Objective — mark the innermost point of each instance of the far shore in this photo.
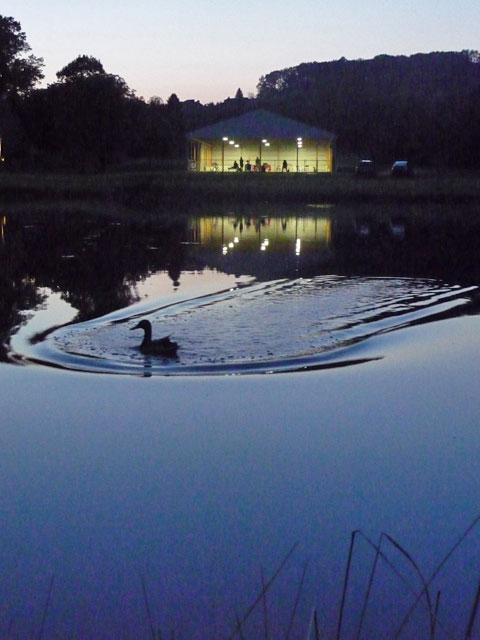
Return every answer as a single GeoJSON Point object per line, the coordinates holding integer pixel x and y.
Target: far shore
{"type": "Point", "coordinates": [164, 189]}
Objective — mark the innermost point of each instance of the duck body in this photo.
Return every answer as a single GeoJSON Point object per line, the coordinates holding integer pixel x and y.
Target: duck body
{"type": "Point", "coordinates": [161, 346]}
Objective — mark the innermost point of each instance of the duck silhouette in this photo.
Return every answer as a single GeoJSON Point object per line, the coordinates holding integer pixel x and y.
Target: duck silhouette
{"type": "Point", "coordinates": [161, 347]}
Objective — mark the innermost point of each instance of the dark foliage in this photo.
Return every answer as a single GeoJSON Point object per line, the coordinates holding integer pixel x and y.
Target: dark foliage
{"type": "Point", "coordinates": [19, 72]}
{"type": "Point", "coordinates": [19, 69]}
{"type": "Point", "coordinates": [423, 107]}
{"type": "Point", "coordinates": [90, 120]}
{"type": "Point", "coordinates": [80, 123]}
{"type": "Point", "coordinates": [82, 66]}
{"type": "Point", "coordinates": [198, 115]}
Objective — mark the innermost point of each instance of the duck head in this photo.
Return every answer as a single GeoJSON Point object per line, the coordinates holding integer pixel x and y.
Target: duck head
{"type": "Point", "coordinates": [143, 324]}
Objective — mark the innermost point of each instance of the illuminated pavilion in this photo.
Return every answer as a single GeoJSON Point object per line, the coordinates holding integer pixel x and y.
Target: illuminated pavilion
{"type": "Point", "coordinates": [261, 141]}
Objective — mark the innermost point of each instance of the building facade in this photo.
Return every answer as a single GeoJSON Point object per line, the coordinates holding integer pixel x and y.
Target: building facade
{"type": "Point", "coordinates": [261, 141]}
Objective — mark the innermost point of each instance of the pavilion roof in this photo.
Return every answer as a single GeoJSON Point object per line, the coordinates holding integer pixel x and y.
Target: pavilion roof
{"type": "Point", "coordinates": [260, 124]}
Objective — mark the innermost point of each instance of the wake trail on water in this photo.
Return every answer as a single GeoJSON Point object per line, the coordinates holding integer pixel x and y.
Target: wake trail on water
{"type": "Point", "coordinates": [283, 325]}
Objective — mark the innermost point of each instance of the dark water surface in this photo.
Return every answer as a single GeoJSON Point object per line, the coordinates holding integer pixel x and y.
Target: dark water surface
{"type": "Point", "coordinates": [240, 293]}
{"type": "Point", "coordinates": [182, 487]}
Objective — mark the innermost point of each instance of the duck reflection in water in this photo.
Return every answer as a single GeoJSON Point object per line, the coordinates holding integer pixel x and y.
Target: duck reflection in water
{"type": "Point", "coordinates": [161, 347]}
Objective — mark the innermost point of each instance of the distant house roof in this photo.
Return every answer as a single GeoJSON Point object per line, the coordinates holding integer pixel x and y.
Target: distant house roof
{"type": "Point", "coordinates": [260, 124]}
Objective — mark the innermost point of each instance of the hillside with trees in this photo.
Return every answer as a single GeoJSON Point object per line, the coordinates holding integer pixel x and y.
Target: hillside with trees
{"type": "Point", "coordinates": [425, 107]}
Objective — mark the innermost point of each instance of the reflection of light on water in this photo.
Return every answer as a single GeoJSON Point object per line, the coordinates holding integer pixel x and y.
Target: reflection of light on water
{"type": "Point", "coordinates": [254, 232]}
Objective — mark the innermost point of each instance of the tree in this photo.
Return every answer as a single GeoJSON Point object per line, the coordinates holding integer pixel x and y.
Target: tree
{"type": "Point", "coordinates": [173, 104]}
{"type": "Point", "coordinates": [19, 72]}
{"type": "Point", "coordinates": [176, 145]}
{"type": "Point", "coordinates": [81, 120]}
{"type": "Point", "coordinates": [82, 67]}
{"type": "Point", "coordinates": [19, 69]}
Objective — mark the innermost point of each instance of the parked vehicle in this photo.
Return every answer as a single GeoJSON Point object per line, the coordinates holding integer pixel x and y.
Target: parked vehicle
{"type": "Point", "coordinates": [362, 227]}
{"type": "Point", "coordinates": [365, 169]}
{"type": "Point", "coordinates": [398, 227]}
{"type": "Point", "coordinates": [401, 169]}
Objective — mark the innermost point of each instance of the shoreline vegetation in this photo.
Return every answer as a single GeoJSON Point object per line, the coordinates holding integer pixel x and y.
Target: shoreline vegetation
{"type": "Point", "coordinates": [171, 190]}
{"type": "Point", "coordinates": [424, 614]}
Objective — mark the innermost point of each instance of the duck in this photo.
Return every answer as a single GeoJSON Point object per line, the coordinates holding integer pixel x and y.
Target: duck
{"type": "Point", "coordinates": [161, 346]}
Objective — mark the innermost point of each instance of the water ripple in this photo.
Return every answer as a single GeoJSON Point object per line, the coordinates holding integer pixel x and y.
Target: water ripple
{"type": "Point", "coordinates": [285, 325]}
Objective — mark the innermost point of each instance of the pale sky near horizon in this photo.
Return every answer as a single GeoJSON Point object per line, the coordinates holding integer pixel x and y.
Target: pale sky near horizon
{"type": "Point", "coordinates": [207, 49]}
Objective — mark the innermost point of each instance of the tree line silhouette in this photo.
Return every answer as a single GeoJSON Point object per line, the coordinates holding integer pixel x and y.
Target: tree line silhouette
{"type": "Point", "coordinates": [87, 120]}
{"type": "Point", "coordinates": [425, 108]}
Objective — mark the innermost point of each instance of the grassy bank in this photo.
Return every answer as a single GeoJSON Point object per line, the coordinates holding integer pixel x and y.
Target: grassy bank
{"type": "Point", "coordinates": [155, 188]}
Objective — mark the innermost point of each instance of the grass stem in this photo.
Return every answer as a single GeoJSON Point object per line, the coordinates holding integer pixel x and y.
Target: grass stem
{"type": "Point", "coordinates": [471, 620]}
{"type": "Point", "coordinates": [45, 609]}
{"type": "Point", "coordinates": [297, 598]}
{"type": "Point", "coordinates": [147, 607]}
{"type": "Point", "coordinates": [345, 584]}
{"type": "Point", "coordinates": [369, 587]}
{"type": "Point", "coordinates": [470, 527]}
{"type": "Point", "coordinates": [265, 612]}
{"type": "Point", "coordinates": [264, 591]}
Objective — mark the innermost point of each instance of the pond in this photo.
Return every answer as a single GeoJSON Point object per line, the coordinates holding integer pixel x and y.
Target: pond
{"type": "Point", "coordinates": [325, 382]}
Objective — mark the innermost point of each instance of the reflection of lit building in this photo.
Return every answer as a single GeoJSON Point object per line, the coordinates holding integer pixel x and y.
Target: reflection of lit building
{"type": "Point", "coordinates": [229, 234]}
{"type": "Point", "coordinates": [261, 141]}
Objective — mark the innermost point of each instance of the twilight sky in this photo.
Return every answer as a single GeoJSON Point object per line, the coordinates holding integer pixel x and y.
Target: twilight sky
{"type": "Point", "coordinates": [207, 49]}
